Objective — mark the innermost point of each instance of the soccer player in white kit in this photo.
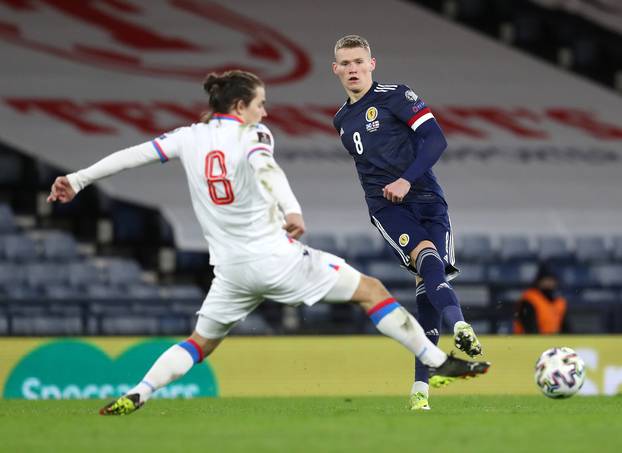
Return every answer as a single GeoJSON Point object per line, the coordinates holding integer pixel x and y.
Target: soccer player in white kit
{"type": "Point", "coordinates": [251, 220]}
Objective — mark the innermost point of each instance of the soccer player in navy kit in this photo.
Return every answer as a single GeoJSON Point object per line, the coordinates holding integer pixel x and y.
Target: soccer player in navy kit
{"type": "Point", "coordinates": [395, 141]}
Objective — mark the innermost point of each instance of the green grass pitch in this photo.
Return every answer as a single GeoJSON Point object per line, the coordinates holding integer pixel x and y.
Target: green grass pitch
{"type": "Point", "coordinates": [318, 424]}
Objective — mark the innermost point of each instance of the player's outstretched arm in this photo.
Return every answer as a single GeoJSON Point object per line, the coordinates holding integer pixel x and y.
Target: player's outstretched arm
{"type": "Point", "coordinates": [65, 188]}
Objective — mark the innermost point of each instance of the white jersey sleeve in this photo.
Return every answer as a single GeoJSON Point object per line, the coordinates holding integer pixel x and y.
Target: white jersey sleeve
{"type": "Point", "coordinates": [170, 144]}
{"type": "Point", "coordinates": [269, 174]}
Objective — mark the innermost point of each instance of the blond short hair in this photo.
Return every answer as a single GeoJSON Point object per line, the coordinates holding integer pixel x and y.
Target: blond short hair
{"type": "Point", "coordinates": [351, 42]}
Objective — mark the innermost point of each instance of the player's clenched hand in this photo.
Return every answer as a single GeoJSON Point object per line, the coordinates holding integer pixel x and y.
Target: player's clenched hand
{"type": "Point", "coordinates": [396, 191]}
{"type": "Point", "coordinates": [61, 191]}
{"type": "Point", "coordinates": [294, 225]}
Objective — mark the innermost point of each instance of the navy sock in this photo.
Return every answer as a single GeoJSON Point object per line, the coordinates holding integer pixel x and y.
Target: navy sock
{"type": "Point", "coordinates": [430, 320]}
{"type": "Point", "coordinates": [432, 270]}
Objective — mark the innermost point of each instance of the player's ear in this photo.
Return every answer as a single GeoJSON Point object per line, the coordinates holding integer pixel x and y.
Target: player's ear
{"type": "Point", "coordinates": [372, 63]}
{"type": "Point", "coordinates": [334, 67]}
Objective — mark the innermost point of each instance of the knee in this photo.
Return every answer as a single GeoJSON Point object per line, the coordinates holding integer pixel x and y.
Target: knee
{"type": "Point", "coordinates": [420, 247]}
{"type": "Point", "coordinates": [370, 291]}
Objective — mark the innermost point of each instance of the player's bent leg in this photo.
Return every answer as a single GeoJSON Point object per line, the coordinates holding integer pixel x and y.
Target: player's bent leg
{"type": "Point", "coordinates": [174, 363]}
{"type": "Point", "coordinates": [431, 268]}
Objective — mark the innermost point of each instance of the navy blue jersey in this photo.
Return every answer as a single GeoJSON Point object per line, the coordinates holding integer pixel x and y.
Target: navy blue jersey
{"type": "Point", "coordinates": [383, 132]}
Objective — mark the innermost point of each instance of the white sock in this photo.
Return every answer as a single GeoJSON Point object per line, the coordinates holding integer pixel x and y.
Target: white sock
{"type": "Point", "coordinates": [420, 387]}
{"type": "Point", "coordinates": [394, 321]}
{"type": "Point", "coordinates": [174, 363]}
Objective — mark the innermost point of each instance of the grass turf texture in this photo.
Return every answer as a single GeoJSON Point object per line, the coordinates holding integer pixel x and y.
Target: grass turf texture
{"type": "Point", "coordinates": [318, 424]}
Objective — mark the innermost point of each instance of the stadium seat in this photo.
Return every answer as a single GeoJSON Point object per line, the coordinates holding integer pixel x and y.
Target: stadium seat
{"type": "Point", "coordinates": [82, 274]}
{"type": "Point", "coordinates": [104, 291]}
{"type": "Point", "coordinates": [576, 276]}
{"type": "Point", "coordinates": [600, 296]}
{"type": "Point", "coordinates": [47, 325]}
{"type": "Point", "coordinates": [129, 325]}
{"type": "Point", "coordinates": [7, 221]}
{"type": "Point", "coordinates": [472, 273]}
{"type": "Point", "coordinates": [553, 248]}
{"type": "Point", "coordinates": [61, 292]}
{"type": "Point", "coordinates": [473, 296]}
{"type": "Point", "coordinates": [38, 275]}
{"type": "Point", "coordinates": [591, 249]}
{"type": "Point", "coordinates": [474, 247]}
{"type": "Point", "coordinates": [254, 324]}
{"type": "Point", "coordinates": [191, 292]}
{"type": "Point", "coordinates": [616, 248]}
{"type": "Point", "coordinates": [513, 273]}
{"type": "Point", "coordinates": [363, 247]}
{"type": "Point", "coordinates": [515, 248]}
{"type": "Point", "coordinates": [143, 291]}
{"type": "Point", "coordinates": [324, 242]}
{"type": "Point", "coordinates": [21, 292]}
{"type": "Point", "coordinates": [120, 271]}
{"type": "Point", "coordinates": [58, 246]}
{"type": "Point", "coordinates": [10, 275]}
{"type": "Point", "coordinates": [390, 273]}
{"type": "Point", "coordinates": [608, 275]}
{"type": "Point", "coordinates": [19, 248]}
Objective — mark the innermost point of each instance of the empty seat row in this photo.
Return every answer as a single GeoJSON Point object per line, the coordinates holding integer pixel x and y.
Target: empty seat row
{"type": "Point", "coordinates": [39, 246]}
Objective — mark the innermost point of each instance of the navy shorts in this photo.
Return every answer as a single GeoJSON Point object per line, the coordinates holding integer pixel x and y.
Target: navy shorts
{"type": "Point", "coordinates": [405, 225]}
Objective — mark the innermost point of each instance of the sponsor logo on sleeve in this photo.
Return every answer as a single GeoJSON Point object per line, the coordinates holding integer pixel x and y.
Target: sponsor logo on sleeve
{"type": "Point", "coordinates": [411, 96]}
{"type": "Point", "coordinates": [263, 137]}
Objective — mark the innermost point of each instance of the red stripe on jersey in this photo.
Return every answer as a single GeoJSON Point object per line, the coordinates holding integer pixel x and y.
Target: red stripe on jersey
{"type": "Point", "coordinates": [418, 115]}
{"type": "Point", "coordinates": [379, 305]}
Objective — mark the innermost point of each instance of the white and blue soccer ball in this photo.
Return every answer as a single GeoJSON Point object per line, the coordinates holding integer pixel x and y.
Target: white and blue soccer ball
{"type": "Point", "coordinates": [560, 372]}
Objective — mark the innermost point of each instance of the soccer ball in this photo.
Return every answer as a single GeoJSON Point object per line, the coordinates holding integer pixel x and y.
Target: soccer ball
{"type": "Point", "coordinates": [559, 373]}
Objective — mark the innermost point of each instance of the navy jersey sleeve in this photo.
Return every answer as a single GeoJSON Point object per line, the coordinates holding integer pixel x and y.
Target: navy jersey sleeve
{"type": "Point", "coordinates": [413, 111]}
{"type": "Point", "coordinates": [409, 107]}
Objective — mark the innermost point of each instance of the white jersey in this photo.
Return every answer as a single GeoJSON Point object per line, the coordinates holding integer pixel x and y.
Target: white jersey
{"type": "Point", "coordinates": [239, 220]}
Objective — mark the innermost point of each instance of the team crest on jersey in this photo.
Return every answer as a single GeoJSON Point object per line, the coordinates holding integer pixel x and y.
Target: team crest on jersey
{"type": "Point", "coordinates": [411, 96]}
{"type": "Point", "coordinates": [404, 239]}
{"type": "Point", "coordinates": [371, 114]}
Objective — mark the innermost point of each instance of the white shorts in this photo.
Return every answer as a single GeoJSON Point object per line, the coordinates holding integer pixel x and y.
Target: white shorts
{"type": "Point", "coordinates": [301, 275]}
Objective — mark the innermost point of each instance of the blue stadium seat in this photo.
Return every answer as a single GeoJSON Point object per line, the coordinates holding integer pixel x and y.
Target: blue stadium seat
{"type": "Point", "coordinates": [61, 292]}
{"type": "Point", "coordinates": [473, 296]}
{"type": "Point", "coordinates": [104, 291]}
{"type": "Point", "coordinates": [364, 247]}
{"type": "Point", "coordinates": [616, 248]}
{"type": "Point", "coordinates": [143, 291]}
{"type": "Point", "coordinates": [120, 271]}
{"type": "Point", "coordinates": [324, 242]}
{"type": "Point", "coordinates": [553, 248]}
{"type": "Point", "coordinates": [10, 275]}
{"type": "Point", "coordinates": [513, 273]}
{"type": "Point", "coordinates": [59, 246]}
{"type": "Point", "coordinates": [608, 275]}
{"type": "Point", "coordinates": [515, 248]}
{"type": "Point", "coordinates": [21, 292]}
{"type": "Point", "coordinates": [390, 273]}
{"type": "Point", "coordinates": [38, 275]}
{"type": "Point", "coordinates": [47, 325]}
{"type": "Point", "coordinates": [130, 325]}
{"type": "Point", "coordinates": [576, 275]}
{"type": "Point", "coordinates": [255, 324]}
{"type": "Point", "coordinates": [191, 292]}
{"type": "Point", "coordinates": [600, 296]}
{"type": "Point", "coordinates": [474, 247]}
{"type": "Point", "coordinates": [19, 248]}
{"type": "Point", "coordinates": [591, 249]}
{"type": "Point", "coordinates": [472, 273]}
{"type": "Point", "coordinates": [82, 274]}
{"type": "Point", "coordinates": [7, 221]}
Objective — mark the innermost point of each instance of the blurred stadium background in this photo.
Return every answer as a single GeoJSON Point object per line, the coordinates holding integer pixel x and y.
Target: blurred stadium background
{"type": "Point", "coordinates": [528, 93]}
